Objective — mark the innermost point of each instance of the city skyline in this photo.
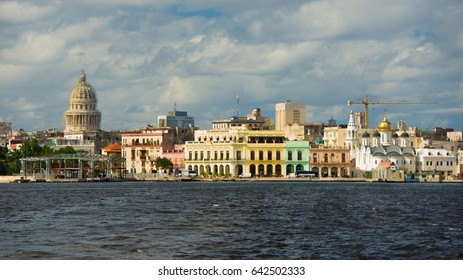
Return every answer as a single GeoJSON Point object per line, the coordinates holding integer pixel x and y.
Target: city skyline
{"type": "Point", "coordinates": [145, 56]}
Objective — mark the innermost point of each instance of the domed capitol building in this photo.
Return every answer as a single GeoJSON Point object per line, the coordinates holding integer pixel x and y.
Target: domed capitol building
{"type": "Point", "coordinates": [83, 114]}
{"type": "Point", "coordinates": [82, 121]}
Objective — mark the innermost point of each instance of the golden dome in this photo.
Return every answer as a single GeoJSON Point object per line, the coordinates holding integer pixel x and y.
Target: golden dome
{"type": "Point", "coordinates": [384, 125]}
{"type": "Point", "coordinates": [83, 90]}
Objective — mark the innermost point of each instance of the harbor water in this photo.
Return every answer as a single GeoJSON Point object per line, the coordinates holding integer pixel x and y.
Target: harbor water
{"type": "Point", "coordinates": [231, 220]}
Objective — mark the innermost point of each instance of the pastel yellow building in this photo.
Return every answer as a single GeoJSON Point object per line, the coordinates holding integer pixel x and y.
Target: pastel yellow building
{"type": "Point", "coordinates": [231, 152]}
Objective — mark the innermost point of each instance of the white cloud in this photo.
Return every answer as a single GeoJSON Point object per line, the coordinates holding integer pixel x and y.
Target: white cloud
{"type": "Point", "coordinates": [14, 12]}
{"type": "Point", "coordinates": [143, 56]}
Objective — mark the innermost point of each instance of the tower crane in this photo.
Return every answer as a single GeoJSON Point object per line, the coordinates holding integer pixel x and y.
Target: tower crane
{"type": "Point", "coordinates": [366, 102]}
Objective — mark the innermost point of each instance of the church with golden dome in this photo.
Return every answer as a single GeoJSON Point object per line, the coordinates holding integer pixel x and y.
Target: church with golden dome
{"type": "Point", "coordinates": [82, 114]}
{"type": "Point", "coordinates": [384, 145]}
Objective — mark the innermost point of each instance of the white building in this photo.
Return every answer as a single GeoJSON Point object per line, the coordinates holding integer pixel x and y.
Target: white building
{"type": "Point", "coordinates": [385, 146]}
{"type": "Point", "coordinates": [141, 150]}
{"type": "Point", "coordinates": [436, 160]}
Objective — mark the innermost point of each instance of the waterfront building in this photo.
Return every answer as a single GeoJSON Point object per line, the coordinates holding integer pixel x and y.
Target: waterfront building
{"type": "Point", "coordinates": [231, 152]}
{"type": "Point", "coordinates": [176, 156]}
{"type": "Point", "coordinates": [288, 113]}
{"type": "Point", "coordinates": [141, 148]}
{"type": "Point", "coordinates": [296, 156]}
{"type": "Point", "coordinates": [330, 161]}
{"type": "Point", "coordinates": [253, 121]}
{"type": "Point", "coordinates": [385, 145]}
{"type": "Point", "coordinates": [176, 118]}
{"type": "Point", "coordinates": [439, 161]}
{"type": "Point", "coordinates": [114, 153]}
{"type": "Point", "coordinates": [91, 142]}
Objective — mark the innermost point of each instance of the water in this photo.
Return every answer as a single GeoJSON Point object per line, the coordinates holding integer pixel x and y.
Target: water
{"type": "Point", "coordinates": [231, 220]}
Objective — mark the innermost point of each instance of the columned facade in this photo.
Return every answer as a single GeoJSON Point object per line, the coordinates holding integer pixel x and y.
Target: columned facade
{"type": "Point", "coordinates": [330, 161]}
{"type": "Point", "coordinates": [232, 152]}
{"type": "Point", "coordinates": [82, 114]}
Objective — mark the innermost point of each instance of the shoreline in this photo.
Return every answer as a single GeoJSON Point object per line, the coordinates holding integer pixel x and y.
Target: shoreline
{"type": "Point", "coordinates": [20, 179]}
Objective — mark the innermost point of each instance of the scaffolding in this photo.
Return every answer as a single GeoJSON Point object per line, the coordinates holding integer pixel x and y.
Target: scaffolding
{"type": "Point", "coordinates": [71, 166]}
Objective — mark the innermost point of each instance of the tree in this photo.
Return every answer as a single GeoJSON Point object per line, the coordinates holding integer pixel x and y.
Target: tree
{"type": "Point", "coordinates": [3, 162]}
{"type": "Point", "coordinates": [31, 148]}
{"type": "Point", "coordinates": [66, 150]}
{"type": "Point", "coordinates": [163, 163]}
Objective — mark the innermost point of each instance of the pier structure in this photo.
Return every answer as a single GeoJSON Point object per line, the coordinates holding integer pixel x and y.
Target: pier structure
{"type": "Point", "coordinates": [68, 167]}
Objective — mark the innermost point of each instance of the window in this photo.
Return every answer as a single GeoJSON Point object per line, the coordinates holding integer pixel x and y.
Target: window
{"type": "Point", "coordinates": [315, 158]}
{"type": "Point", "coordinates": [261, 155]}
{"type": "Point", "coordinates": [299, 155]}
{"type": "Point", "coordinates": [269, 155]}
{"type": "Point", "coordinates": [326, 157]}
{"type": "Point", "coordinates": [253, 156]}
{"type": "Point", "coordinates": [290, 155]}
{"type": "Point", "coordinates": [343, 157]}
{"type": "Point", "coordinates": [278, 157]}
{"type": "Point", "coordinates": [238, 155]}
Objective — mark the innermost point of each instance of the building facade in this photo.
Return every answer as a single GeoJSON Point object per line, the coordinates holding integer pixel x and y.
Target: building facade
{"type": "Point", "coordinates": [231, 152]}
{"type": "Point", "coordinates": [330, 161]}
{"type": "Point", "coordinates": [253, 121]}
{"type": "Point", "coordinates": [296, 156]}
{"type": "Point", "coordinates": [176, 118]}
{"type": "Point", "coordinates": [288, 113]}
{"type": "Point", "coordinates": [142, 148]}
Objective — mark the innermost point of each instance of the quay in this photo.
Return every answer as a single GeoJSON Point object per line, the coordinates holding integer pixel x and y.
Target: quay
{"type": "Point", "coordinates": [31, 179]}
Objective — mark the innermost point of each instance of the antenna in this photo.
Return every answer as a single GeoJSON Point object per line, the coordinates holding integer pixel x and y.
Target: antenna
{"type": "Point", "coordinates": [237, 105]}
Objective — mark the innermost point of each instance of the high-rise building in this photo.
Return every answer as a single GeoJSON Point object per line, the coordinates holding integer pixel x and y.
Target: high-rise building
{"type": "Point", "coordinates": [176, 119]}
{"type": "Point", "coordinates": [288, 113]}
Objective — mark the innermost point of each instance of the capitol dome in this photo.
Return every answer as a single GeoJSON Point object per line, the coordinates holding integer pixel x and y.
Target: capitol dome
{"type": "Point", "coordinates": [384, 125]}
{"type": "Point", "coordinates": [83, 90]}
{"type": "Point", "coordinates": [82, 114]}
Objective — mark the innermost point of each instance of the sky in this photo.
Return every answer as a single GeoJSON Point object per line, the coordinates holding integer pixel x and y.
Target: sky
{"type": "Point", "coordinates": [145, 56]}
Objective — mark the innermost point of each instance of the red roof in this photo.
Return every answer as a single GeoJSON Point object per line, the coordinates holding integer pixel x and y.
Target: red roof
{"type": "Point", "coordinates": [386, 164]}
{"type": "Point", "coordinates": [113, 148]}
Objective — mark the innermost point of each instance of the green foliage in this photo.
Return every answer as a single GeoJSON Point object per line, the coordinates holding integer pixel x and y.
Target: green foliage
{"type": "Point", "coordinates": [163, 163]}
{"type": "Point", "coordinates": [10, 160]}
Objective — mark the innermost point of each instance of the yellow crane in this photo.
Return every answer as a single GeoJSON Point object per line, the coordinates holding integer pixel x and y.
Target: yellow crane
{"type": "Point", "coordinates": [366, 102]}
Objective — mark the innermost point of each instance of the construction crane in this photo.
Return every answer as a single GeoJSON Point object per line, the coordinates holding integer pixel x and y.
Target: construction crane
{"type": "Point", "coordinates": [366, 102]}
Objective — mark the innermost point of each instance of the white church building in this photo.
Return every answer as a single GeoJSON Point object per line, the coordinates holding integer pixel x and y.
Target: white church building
{"type": "Point", "coordinates": [385, 145]}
